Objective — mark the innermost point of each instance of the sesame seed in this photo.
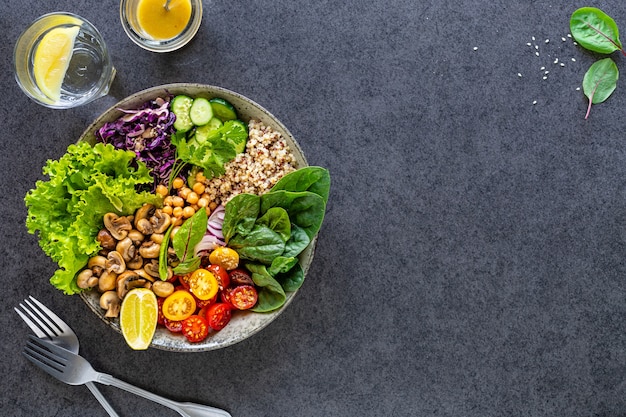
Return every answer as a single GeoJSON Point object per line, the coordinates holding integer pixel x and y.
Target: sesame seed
{"type": "Point", "coordinates": [529, 44]}
{"type": "Point", "coordinates": [569, 35]}
{"type": "Point", "coordinates": [577, 88]}
{"type": "Point", "coordinates": [556, 61]}
{"type": "Point", "coordinates": [575, 43]}
{"type": "Point", "coordinates": [547, 40]}
{"type": "Point", "coordinates": [573, 59]}
{"type": "Point", "coordinates": [542, 68]}
{"type": "Point", "coordinates": [547, 72]}
{"type": "Point", "coordinates": [562, 64]}
{"type": "Point", "coordinates": [534, 102]}
{"type": "Point", "coordinates": [545, 78]}
{"type": "Point", "coordinates": [519, 74]}
{"type": "Point", "coordinates": [537, 53]}
{"type": "Point", "coordinates": [536, 46]}
{"type": "Point", "coordinates": [476, 48]}
{"type": "Point", "coordinates": [563, 39]}
{"type": "Point", "coordinates": [533, 38]}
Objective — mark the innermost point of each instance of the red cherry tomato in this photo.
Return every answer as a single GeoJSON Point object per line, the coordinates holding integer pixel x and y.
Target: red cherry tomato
{"type": "Point", "coordinates": [225, 298]}
{"type": "Point", "coordinates": [240, 276]}
{"type": "Point", "coordinates": [195, 328]}
{"type": "Point", "coordinates": [243, 297]}
{"type": "Point", "coordinates": [160, 316]}
{"type": "Point", "coordinates": [221, 275]}
{"type": "Point", "coordinates": [173, 326]}
{"type": "Point", "coordinates": [218, 316]}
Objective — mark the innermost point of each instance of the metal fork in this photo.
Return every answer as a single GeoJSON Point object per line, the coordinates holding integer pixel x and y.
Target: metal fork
{"type": "Point", "coordinates": [45, 324]}
{"type": "Point", "coordinates": [75, 370]}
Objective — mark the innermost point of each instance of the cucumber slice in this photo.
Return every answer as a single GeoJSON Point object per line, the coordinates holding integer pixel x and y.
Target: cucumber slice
{"type": "Point", "coordinates": [203, 132]}
{"type": "Point", "coordinates": [223, 110]}
{"type": "Point", "coordinates": [201, 111]}
{"type": "Point", "coordinates": [181, 105]}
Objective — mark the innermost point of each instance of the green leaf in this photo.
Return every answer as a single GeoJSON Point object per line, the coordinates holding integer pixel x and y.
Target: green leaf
{"type": "Point", "coordinates": [189, 265]}
{"type": "Point", "coordinates": [281, 265]}
{"type": "Point", "coordinates": [600, 81]}
{"type": "Point", "coordinates": [305, 209]}
{"type": "Point", "coordinates": [298, 241]}
{"type": "Point", "coordinates": [595, 30]}
{"type": "Point", "coordinates": [163, 253]}
{"type": "Point", "coordinates": [311, 178]}
{"type": "Point", "coordinates": [271, 293]}
{"type": "Point", "coordinates": [292, 279]}
{"type": "Point", "coordinates": [189, 235]}
{"type": "Point", "coordinates": [261, 244]}
{"type": "Point", "coordinates": [277, 219]}
{"type": "Point", "coordinates": [240, 214]}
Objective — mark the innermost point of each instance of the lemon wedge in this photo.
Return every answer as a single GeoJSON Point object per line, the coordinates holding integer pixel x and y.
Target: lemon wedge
{"type": "Point", "coordinates": [52, 59]}
{"type": "Point", "coordinates": [138, 318]}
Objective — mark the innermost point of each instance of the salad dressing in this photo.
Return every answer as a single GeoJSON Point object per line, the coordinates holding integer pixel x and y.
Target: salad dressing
{"type": "Point", "coordinates": [160, 23]}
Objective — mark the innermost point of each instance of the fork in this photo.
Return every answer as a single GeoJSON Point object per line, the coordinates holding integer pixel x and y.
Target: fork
{"type": "Point", "coordinates": [73, 369]}
{"type": "Point", "coordinates": [49, 325]}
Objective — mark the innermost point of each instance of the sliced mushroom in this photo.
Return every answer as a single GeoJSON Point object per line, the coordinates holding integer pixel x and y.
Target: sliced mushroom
{"type": "Point", "coordinates": [118, 226]}
{"type": "Point", "coordinates": [172, 258]}
{"type": "Point", "coordinates": [86, 279]}
{"type": "Point", "coordinates": [110, 302]}
{"type": "Point", "coordinates": [97, 264]}
{"type": "Point", "coordinates": [152, 268]}
{"type": "Point", "coordinates": [157, 237]}
{"type": "Point", "coordinates": [142, 219]}
{"type": "Point", "coordinates": [107, 281]}
{"type": "Point", "coordinates": [127, 281]}
{"type": "Point", "coordinates": [143, 274]}
{"type": "Point", "coordinates": [149, 250]}
{"type": "Point", "coordinates": [136, 262]}
{"type": "Point", "coordinates": [106, 239]}
{"type": "Point", "coordinates": [115, 262]}
{"type": "Point", "coordinates": [126, 248]}
{"type": "Point", "coordinates": [160, 221]}
{"type": "Point", "coordinates": [162, 288]}
{"type": "Point", "coordinates": [136, 236]}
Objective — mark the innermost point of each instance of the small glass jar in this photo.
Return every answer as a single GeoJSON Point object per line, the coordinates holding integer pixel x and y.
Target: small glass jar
{"type": "Point", "coordinates": [153, 27]}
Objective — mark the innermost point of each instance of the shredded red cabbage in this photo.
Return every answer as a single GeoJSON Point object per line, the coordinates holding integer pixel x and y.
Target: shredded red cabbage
{"type": "Point", "coordinates": [145, 131]}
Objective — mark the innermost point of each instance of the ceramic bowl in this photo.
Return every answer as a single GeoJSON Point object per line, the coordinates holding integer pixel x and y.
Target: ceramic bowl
{"type": "Point", "coordinates": [244, 323]}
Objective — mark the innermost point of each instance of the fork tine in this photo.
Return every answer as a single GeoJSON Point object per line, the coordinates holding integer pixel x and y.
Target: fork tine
{"type": "Point", "coordinates": [60, 324]}
{"type": "Point", "coordinates": [37, 329]}
{"type": "Point", "coordinates": [46, 315]}
{"type": "Point", "coordinates": [41, 357]}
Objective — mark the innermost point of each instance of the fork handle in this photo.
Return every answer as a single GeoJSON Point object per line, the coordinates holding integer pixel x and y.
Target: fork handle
{"type": "Point", "coordinates": [103, 402]}
{"type": "Point", "coordinates": [185, 409]}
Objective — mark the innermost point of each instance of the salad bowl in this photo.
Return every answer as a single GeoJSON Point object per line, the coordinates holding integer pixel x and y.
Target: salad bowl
{"type": "Point", "coordinates": [243, 324]}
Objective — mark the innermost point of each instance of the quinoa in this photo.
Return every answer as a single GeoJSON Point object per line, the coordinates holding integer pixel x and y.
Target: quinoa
{"type": "Point", "coordinates": [266, 160]}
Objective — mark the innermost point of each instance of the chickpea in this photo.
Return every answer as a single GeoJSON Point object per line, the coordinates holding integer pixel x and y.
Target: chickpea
{"type": "Point", "coordinates": [199, 188]}
{"type": "Point", "coordinates": [167, 210]}
{"type": "Point", "coordinates": [178, 183]}
{"type": "Point", "coordinates": [200, 177]}
{"type": "Point", "coordinates": [177, 212]}
{"type": "Point", "coordinates": [178, 201]}
{"type": "Point", "coordinates": [212, 205]}
{"type": "Point", "coordinates": [203, 202]}
{"type": "Point", "coordinates": [188, 212]}
{"type": "Point", "coordinates": [162, 190]}
{"type": "Point", "coordinates": [168, 201]}
{"type": "Point", "coordinates": [192, 198]}
{"type": "Point", "coordinates": [184, 192]}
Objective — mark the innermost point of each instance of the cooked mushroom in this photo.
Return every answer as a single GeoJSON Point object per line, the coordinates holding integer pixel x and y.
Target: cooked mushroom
{"type": "Point", "coordinates": [149, 249]}
{"type": "Point", "coordinates": [97, 264]}
{"type": "Point", "coordinates": [142, 219]}
{"type": "Point", "coordinates": [118, 226]}
{"type": "Point", "coordinates": [126, 248]}
{"type": "Point", "coordinates": [115, 262]}
{"type": "Point", "coordinates": [107, 281]}
{"type": "Point", "coordinates": [157, 237]}
{"type": "Point", "coordinates": [136, 262]}
{"type": "Point", "coordinates": [162, 288]}
{"type": "Point", "coordinates": [152, 268]}
{"type": "Point", "coordinates": [136, 236]}
{"type": "Point", "coordinates": [106, 239]}
{"type": "Point", "coordinates": [143, 274]}
{"type": "Point", "coordinates": [86, 279]}
{"type": "Point", "coordinates": [127, 281]}
{"type": "Point", "coordinates": [110, 302]}
{"type": "Point", "coordinates": [172, 259]}
{"type": "Point", "coordinates": [160, 221]}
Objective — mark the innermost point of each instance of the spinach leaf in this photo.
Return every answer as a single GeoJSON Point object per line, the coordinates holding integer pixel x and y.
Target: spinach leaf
{"type": "Point", "coordinates": [305, 209]}
{"type": "Point", "coordinates": [292, 279]}
{"type": "Point", "coordinates": [595, 30]}
{"type": "Point", "coordinates": [240, 215]}
{"type": "Point", "coordinates": [600, 81]}
{"type": "Point", "coordinates": [271, 293]}
{"type": "Point", "coordinates": [277, 219]}
{"type": "Point", "coordinates": [261, 244]}
{"type": "Point", "coordinates": [311, 178]}
{"type": "Point", "coordinates": [187, 237]}
{"type": "Point", "coordinates": [298, 241]}
{"type": "Point", "coordinates": [281, 265]}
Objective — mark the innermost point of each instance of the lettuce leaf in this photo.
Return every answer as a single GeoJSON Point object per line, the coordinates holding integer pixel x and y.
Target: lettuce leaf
{"type": "Point", "coordinates": [66, 211]}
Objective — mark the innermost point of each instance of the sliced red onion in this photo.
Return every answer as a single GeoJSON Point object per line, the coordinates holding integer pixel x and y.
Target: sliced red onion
{"type": "Point", "coordinates": [207, 244]}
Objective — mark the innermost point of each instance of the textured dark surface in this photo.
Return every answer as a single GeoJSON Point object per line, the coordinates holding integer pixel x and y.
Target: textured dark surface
{"type": "Point", "coordinates": [471, 262]}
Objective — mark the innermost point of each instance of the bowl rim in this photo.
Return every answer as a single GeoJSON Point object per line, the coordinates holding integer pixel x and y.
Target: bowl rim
{"type": "Point", "coordinates": [306, 257]}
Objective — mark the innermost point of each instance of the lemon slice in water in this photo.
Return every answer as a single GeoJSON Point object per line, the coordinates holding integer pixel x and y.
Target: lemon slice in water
{"type": "Point", "coordinates": [138, 317]}
{"type": "Point", "coordinates": [52, 58]}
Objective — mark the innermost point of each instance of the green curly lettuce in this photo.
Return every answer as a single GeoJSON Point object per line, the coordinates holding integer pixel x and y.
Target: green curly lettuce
{"type": "Point", "coordinates": [66, 211]}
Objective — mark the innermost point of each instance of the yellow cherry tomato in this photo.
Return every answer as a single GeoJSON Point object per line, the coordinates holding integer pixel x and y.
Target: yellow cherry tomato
{"type": "Point", "coordinates": [179, 305]}
{"type": "Point", "coordinates": [203, 284]}
{"type": "Point", "coordinates": [225, 257]}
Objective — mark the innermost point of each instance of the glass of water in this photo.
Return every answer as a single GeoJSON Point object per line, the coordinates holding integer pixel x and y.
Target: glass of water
{"type": "Point", "coordinates": [61, 61]}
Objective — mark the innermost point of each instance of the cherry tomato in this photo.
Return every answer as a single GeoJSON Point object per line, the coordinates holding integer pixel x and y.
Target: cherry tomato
{"type": "Point", "coordinates": [203, 284]}
{"type": "Point", "coordinates": [195, 328]}
{"type": "Point", "coordinates": [218, 316]}
{"type": "Point", "coordinates": [223, 279]}
{"type": "Point", "coordinates": [160, 316]}
{"type": "Point", "coordinates": [240, 276]}
{"type": "Point", "coordinates": [225, 298]}
{"type": "Point", "coordinates": [179, 305]}
{"type": "Point", "coordinates": [173, 326]}
{"type": "Point", "coordinates": [243, 297]}
{"type": "Point", "coordinates": [225, 257]}
{"type": "Point", "coordinates": [184, 280]}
